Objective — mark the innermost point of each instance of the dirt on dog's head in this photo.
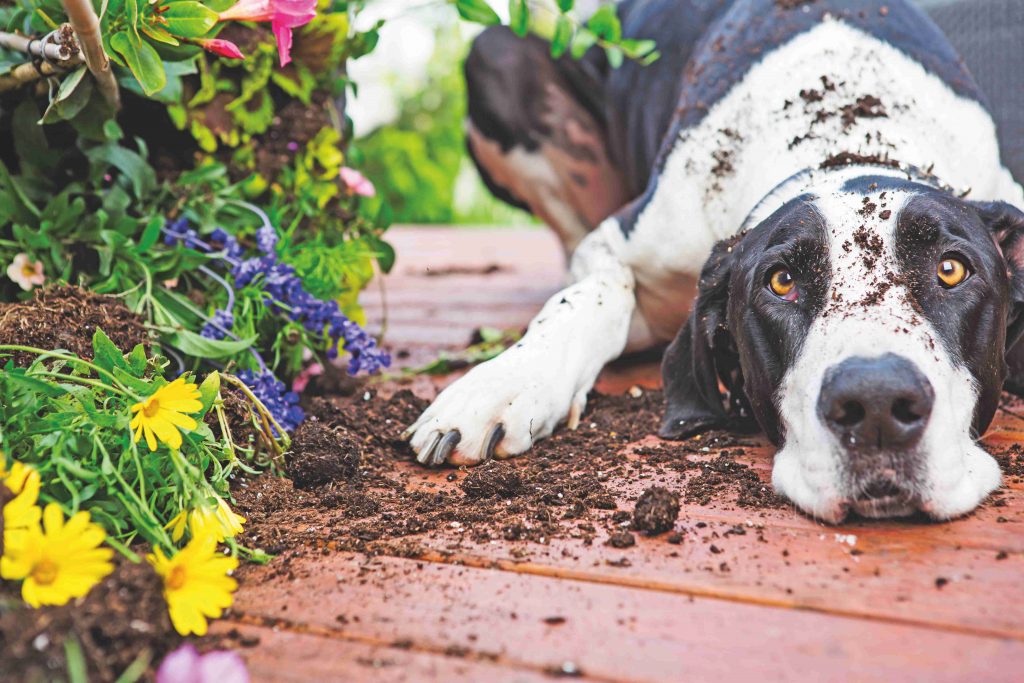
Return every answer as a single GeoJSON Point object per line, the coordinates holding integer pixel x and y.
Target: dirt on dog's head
{"type": "Point", "coordinates": [864, 324]}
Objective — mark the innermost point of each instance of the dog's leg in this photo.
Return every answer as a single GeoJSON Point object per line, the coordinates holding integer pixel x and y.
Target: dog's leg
{"type": "Point", "coordinates": [536, 132]}
{"type": "Point", "coordinates": [502, 407]}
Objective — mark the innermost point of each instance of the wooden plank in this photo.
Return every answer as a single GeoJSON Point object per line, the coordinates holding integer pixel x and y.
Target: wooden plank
{"type": "Point", "coordinates": [608, 632]}
{"type": "Point", "coordinates": [284, 656]}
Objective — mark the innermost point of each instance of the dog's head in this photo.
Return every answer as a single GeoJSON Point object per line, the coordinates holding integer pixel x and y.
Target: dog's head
{"type": "Point", "coordinates": [865, 329]}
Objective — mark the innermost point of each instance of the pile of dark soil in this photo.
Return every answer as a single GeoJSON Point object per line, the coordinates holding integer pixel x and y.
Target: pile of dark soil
{"type": "Point", "coordinates": [66, 317]}
{"type": "Point", "coordinates": [123, 619]}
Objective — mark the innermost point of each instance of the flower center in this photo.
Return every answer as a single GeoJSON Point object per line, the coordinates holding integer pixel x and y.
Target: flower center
{"type": "Point", "coordinates": [151, 407]}
{"type": "Point", "coordinates": [45, 572]}
{"type": "Point", "coordinates": [176, 579]}
{"type": "Point", "coordinates": [28, 270]}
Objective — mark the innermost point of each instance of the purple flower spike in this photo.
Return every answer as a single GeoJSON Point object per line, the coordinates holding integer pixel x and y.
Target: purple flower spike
{"type": "Point", "coordinates": [219, 325]}
{"type": "Point", "coordinates": [282, 404]}
{"type": "Point", "coordinates": [266, 239]}
{"type": "Point", "coordinates": [186, 665]}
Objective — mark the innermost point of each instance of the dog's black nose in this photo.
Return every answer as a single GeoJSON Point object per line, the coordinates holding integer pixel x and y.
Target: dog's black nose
{"type": "Point", "coordinates": [876, 403]}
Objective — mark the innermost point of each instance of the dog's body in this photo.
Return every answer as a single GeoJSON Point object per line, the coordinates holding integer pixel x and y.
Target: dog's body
{"type": "Point", "coordinates": [786, 120]}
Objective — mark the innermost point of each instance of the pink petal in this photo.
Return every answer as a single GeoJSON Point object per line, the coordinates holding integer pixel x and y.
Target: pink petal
{"type": "Point", "coordinates": [222, 666]}
{"type": "Point", "coordinates": [180, 666]}
{"type": "Point", "coordinates": [249, 10]}
{"type": "Point", "coordinates": [224, 48]}
{"type": "Point", "coordinates": [284, 42]}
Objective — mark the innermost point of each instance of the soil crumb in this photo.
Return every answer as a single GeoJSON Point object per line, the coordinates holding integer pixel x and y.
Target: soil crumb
{"type": "Point", "coordinates": [656, 511]}
{"type": "Point", "coordinates": [66, 317]}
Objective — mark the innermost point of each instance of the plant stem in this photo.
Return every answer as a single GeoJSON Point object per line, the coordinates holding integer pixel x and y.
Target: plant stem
{"type": "Point", "coordinates": [86, 24]}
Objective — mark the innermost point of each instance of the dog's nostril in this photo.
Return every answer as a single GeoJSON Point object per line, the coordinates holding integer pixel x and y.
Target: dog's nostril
{"type": "Point", "coordinates": [849, 413]}
{"type": "Point", "coordinates": [903, 410]}
{"type": "Point", "coordinates": [883, 488]}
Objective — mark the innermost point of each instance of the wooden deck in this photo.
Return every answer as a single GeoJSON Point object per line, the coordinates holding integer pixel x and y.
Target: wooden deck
{"type": "Point", "coordinates": [782, 598]}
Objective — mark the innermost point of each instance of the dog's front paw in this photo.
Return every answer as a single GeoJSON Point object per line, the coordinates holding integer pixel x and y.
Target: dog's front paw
{"type": "Point", "coordinates": [499, 409]}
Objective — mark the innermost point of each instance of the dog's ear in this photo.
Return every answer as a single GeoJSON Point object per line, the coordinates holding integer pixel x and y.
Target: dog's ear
{"type": "Point", "coordinates": [1007, 225]}
{"type": "Point", "coordinates": [703, 357]}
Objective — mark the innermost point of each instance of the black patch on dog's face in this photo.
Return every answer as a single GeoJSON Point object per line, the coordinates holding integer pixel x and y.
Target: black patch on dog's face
{"type": "Point", "coordinates": [970, 319]}
{"type": "Point", "coordinates": [740, 333]}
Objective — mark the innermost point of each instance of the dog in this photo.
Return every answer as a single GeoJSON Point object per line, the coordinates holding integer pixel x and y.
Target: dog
{"type": "Point", "coordinates": [806, 199]}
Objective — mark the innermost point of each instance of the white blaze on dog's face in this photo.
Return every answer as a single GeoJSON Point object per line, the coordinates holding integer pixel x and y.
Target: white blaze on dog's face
{"type": "Point", "coordinates": [863, 325]}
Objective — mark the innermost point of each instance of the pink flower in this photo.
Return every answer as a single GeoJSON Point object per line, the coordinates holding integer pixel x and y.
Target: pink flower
{"type": "Point", "coordinates": [283, 15]}
{"type": "Point", "coordinates": [356, 182]}
{"type": "Point", "coordinates": [219, 46]}
{"type": "Point", "coordinates": [186, 665]}
{"type": "Point", "coordinates": [26, 273]}
{"type": "Point", "coordinates": [301, 380]}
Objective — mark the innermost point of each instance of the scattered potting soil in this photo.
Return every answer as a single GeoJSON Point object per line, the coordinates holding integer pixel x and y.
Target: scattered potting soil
{"type": "Point", "coordinates": [66, 317]}
{"type": "Point", "coordinates": [121, 620]}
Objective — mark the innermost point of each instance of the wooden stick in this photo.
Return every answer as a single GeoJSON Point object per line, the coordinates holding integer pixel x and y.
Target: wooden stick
{"type": "Point", "coordinates": [84, 21]}
{"type": "Point", "coordinates": [24, 74]}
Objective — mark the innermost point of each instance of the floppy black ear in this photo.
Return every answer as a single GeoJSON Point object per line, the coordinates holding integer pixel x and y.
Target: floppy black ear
{"type": "Point", "coordinates": [702, 355]}
{"type": "Point", "coordinates": [1007, 225]}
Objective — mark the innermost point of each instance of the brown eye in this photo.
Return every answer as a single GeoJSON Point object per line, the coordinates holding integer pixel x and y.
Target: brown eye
{"type": "Point", "coordinates": [951, 272]}
{"type": "Point", "coordinates": [783, 285]}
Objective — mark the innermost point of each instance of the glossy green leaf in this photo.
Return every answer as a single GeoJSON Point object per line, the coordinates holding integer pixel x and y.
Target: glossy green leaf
{"type": "Point", "coordinates": [477, 11]}
{"type": "Point", "coordinates": [605, 24]}
{"type": "Point", "coordinates": [563, 36]}
{"type": "Point", "coordinates": [189, 19]}
{"type": "Point", "coordinates": [142, 60]}
{"type": "Point", "coordinates": [519, 17]}
{"type": "Point", "coordinates": [583, 41]}
{"type": "Point", "coordinates": [105, 354]}
{"type": "Point", "coordinates": [566, 5]}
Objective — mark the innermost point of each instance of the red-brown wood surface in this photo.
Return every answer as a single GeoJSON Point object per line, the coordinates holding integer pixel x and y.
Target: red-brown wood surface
{"type": "Point", "coordinates": [788, 599]}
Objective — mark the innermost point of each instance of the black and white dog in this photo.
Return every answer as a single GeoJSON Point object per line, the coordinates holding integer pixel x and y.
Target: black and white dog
{"type": "Point", "coordinates": [825, 178]}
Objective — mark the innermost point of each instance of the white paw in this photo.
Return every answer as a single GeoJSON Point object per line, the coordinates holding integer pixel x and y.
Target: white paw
{"type": "Point", "coordinates": [499, 409]}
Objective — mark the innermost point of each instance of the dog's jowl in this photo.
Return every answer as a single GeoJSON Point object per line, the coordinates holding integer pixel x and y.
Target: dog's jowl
{"type": "Point", "coordinates": [814, 213]}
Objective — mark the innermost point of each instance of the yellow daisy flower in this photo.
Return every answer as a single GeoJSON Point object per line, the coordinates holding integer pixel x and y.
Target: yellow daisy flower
{"type": "Point", "coordinates": [59, 561]}
{"type": "Point", "coordinates": [220, 522]}
{"type": "Point", "coordinates": [161, 415]}
{"type": "Point", "coordinates": [196, 583]}
{"type": "Point", "coordinates": [21, 514]}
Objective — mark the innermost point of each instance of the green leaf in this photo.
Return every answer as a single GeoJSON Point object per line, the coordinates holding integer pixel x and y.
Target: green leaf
{"type": "Point", "coordinates": [151, 234]}
{"type": "Point", "coordinates": [583, 41]}
{"type": "Point", "coordinates": [72, 96]}
{"type": "Point", "coordinates": [159, 34]}
{"type": "Point", "coordinates": [143, 61]}
{"type": "Point", "coordinates": [566, 5]}
{"type": "Point", "coordinates": [137, 360]}
{"type": "Point", "coordinates": [614, 55]}
{"type": "Point", "coordinates": [209, 390]}
{"type": "Point", "coordinates": [605, 24]}
{"type": "Point", "coordinates": [563, 36]}
{"type": "Point", "coordinates": [477, 11]}
{"type": "Point", "coordinates": [637, 49]}
{"type": "Point", "coordinates": [201, 347]}
{"type": "Point", "coordinates": [189, 19]}
{"type": "Point", "coordinates": [105, 354]}
{"type": "Point", "coordinates": [519, 17]}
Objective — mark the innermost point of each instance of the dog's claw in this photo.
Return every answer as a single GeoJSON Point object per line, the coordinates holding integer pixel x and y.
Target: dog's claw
{"type": "Point", "coordinates": [426, 456]}
{"type": "Point", "coordinates": [445, 447]}
{"type": "Point", "coordinates": [495, 436]}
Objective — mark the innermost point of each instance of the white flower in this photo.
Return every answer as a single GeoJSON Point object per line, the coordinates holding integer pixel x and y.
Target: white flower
{"type": "Point", "coordinates": [26, 273]}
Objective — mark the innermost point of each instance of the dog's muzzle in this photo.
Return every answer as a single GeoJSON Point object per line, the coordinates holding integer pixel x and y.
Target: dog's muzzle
{"type": "Point", "coordinates": [878, 409]}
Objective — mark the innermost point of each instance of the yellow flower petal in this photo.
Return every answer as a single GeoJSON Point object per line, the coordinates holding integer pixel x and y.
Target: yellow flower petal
{"type": "Point", "coordinates": [196, 583]}
{"type": "Point", "coordinates": [165, 412]}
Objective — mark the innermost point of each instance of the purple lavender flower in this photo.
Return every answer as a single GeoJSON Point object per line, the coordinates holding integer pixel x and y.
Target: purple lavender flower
{"type": "Point", "coordinates": [282, 404]}
{"type": "Point", "coordinates": [229, 244]}
{"type": "Point", "coordinates": [219, 324]}
{"type": "Point", "coordinates": [266, 239]}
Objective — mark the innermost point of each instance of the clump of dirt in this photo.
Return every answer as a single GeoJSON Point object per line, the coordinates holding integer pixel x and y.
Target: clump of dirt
{"type": "Point", "coordinates": [121, 619]}
{"type": "Point", "coordinates": [866, 107]}
{"type": "Point", "coordinates": [494, 480]}
{"type": "Point", "coordinates": [321, 454]}
{"type": "Point", "coordinates": [45, 322]}
{"type": "Point", "coordinates": [850, 158]}
{"type": "Point", "coordinates": [656, 511]}
{"type": "Point", "coordinates": [722, 474]}
{"type": "Point", "coordinates": [790, 4]}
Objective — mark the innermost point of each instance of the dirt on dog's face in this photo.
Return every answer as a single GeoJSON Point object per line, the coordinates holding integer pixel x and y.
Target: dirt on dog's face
{"type": "Point", "coordinates": [865, 330]}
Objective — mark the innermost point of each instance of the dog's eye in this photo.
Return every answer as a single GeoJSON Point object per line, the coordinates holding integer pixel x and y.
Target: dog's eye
{"type": "Point", "coordinates": [952, 272]}
{"type": "Point", "coordinates": [783, 285]}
